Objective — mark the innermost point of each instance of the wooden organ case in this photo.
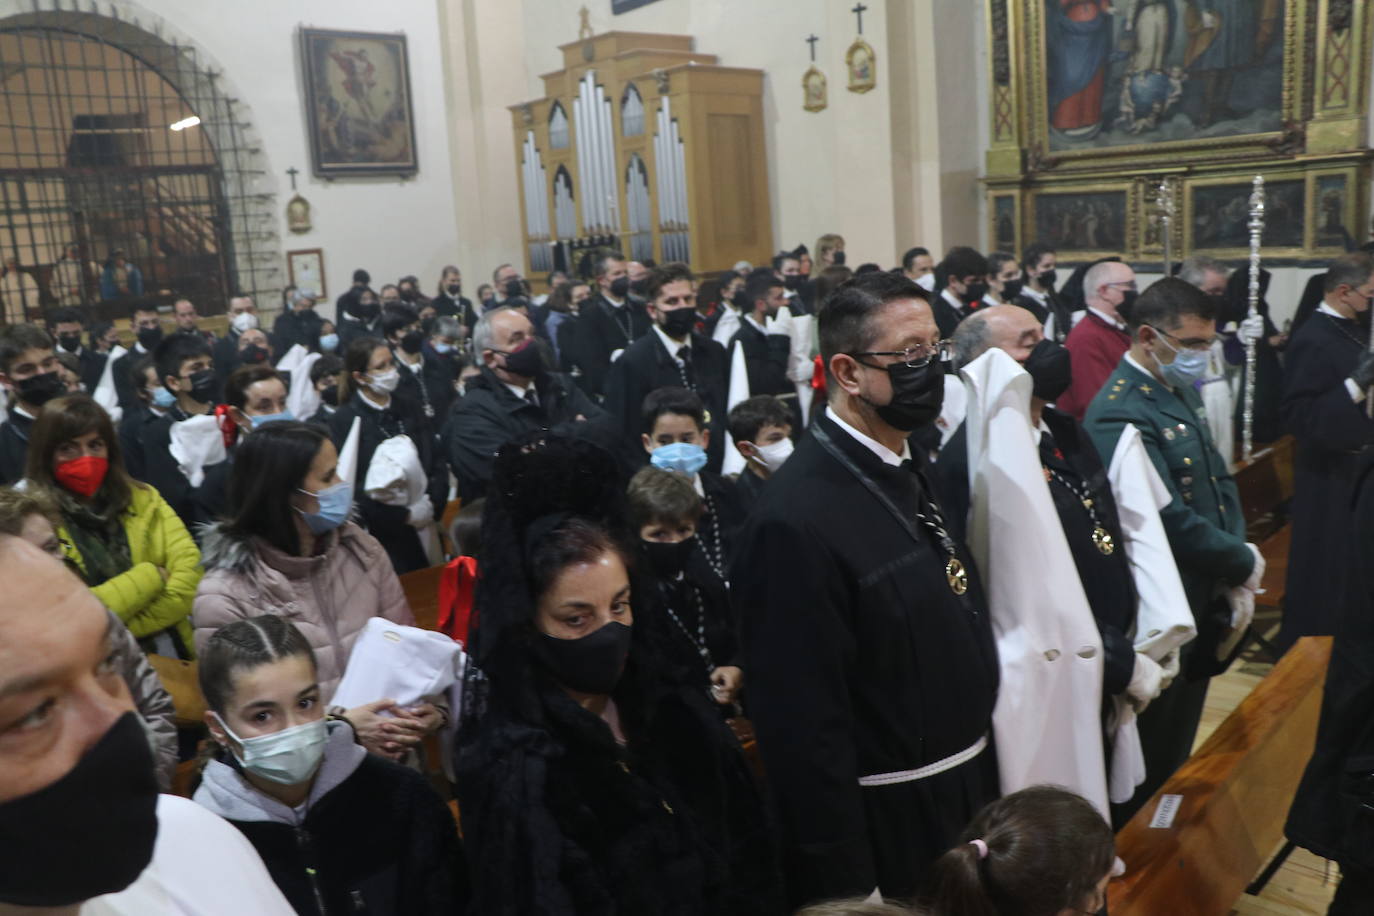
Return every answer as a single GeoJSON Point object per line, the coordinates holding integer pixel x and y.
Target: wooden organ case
{"type": "Point", "coordinates": [642, 145]}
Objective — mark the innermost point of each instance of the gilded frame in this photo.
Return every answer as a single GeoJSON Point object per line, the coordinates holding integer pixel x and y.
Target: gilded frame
{"type": "Point", "coordinates": [1276, 183]}
{"type": "Point", "coordinates": [1086, 192]}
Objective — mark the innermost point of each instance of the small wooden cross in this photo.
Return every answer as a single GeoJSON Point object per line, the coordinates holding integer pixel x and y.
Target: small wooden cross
{"type": "Point", "coordinates": [812, 42]}
{"type": "Point", "coordinates": [859, 10]}
{"type": "Point", "coordinates": [293, 172]}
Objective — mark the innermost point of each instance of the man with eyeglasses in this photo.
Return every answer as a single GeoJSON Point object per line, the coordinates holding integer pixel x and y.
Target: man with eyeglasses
{"type": "Point", "coordinates": [1098, 340]}
{"type": "Point", "coordinates": [1172, 326]}
{"type": "Point", "coordinates": [873, 671]}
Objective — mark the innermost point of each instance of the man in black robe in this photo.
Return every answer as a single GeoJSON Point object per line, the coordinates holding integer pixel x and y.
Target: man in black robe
{"type": "Point", "coordinates": [1326, 384]}
{"type": "Point", "coordinates": [766, 354]}
{"type": "Point", "coordinates": [606, 324]}
{"type": "Point", "coordinates": [872, 667]}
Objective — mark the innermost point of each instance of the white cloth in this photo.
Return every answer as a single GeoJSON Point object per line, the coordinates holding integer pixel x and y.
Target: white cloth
{"type": "Point", "coordinates": [303, 400]}
{"type": "Point", "coordinates": [1164, 621]}
{"type": "Point", "coordinates": [396, 477]}
{"type": "Point", "coordinates": [105, 394]}
{"type": "Point", "coordinates": [197, 443]}
{"type": "Point", "coordinates": [953, 409]}
{"type": "Point", "coordinates": [739, 391]}
{"type": "Point", "coordinates": [405, 664]}
{"type": "Point", "coordinates": [727, 327]}
{"type": "Point", "coordinates": [1047, 720]}
{"type": "Point", "coordinates": [348, 455]}
{"type": "Point", "coordinates": [202, 866]}
{"type": "Point", "coordinates": [1219, 403]}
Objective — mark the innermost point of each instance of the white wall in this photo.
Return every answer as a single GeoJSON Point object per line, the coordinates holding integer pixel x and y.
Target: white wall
{"type": "Point", "coordinates": [389, 226]}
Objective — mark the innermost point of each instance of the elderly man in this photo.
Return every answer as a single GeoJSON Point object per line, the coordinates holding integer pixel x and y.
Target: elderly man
{"type": "Point", "coordinates": [1097, 343]}
{"type": "Point", "coordinates": [300, 324]}
{"type": "Point", "coordinates": [514, 394]}
{"type": "Point", "coordinates": [873, 672]}
{"type": "Point", "coordinates": [81, 821]}
{"type": "Point", "coordinates": [185, 319]}
{"type": "Point", "coordinates": [1210, 275]}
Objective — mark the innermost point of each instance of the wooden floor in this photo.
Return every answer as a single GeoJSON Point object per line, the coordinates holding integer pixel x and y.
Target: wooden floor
{"type": "Point", "coordinates": [1302, 887]}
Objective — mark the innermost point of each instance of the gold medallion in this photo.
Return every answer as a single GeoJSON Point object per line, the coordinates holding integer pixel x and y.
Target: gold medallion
{"type": "Point", "coordinates": [1103, 541]}
{"type": "Point", "coordinates": [956, 575]}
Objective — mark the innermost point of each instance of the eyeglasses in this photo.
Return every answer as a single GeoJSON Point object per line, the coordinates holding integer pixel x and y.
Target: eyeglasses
{"type": "Point", "coordinates": [1191, 343]}
{"type": "Point", "coordinates": [914, 357]}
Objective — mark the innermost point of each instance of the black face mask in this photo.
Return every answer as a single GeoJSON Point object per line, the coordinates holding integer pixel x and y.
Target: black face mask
{"type": "Point", "coordinates": [917, 395]}
{"type": "Point", "coordinates": [794, 282]}
{"type": "Point", "coordinates": [365, 311]}
{"type": "Point", "coordinates": [525, 361]}
{"type": "Point", "coordinates": [668, 560]}
{"type": "Point", "coordinates": [678, 323]}
{"type": "Point", "coordinates": [330, 395]}
{"type": "Point", "coordinates": [974, 293]}
{"type": "Point", "coordinates": [514, 289]}
{"type": "Point", "coordinates": [1050, 370]}
{"type": "Point", "coordinates": [69, 342]}
{"type": "Point", "coordinates": [837, 258]}
{"type": "Point", "coordinates": [592, 664]}
{"type": "Point", "coordinates": [1128, 298]}
{"type": "Point", "coordinates": [41, 388]}
{"type": "Point", "coordinates": [455, 290]}
{"type": "Point", "coordinates": [253, 354]}
{"type": "Point", "coordinates": [148, 338]}
{"type": "Point", "coordinates": [1049, 278]}
{"type": "Point", "coordinates": [89, 833]}
{"type": "Point", "coordinates": [1011, 289]}
{"type": "Point", "coordinates": [409, 295]}
{"type": "Point", "coordinates": [412, 341]}
{"type": "Point", "coordinates": [620, 287]}
{"type": "Point", "coordinates": [203, 385]}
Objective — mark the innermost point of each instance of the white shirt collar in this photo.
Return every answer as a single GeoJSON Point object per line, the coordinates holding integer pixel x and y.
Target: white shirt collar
{"type": "Point", "coordinates": [1131, 359]}
{"type": "Point", "coordinates": [1035, 294]}
{"type": "Point", "coordinates": [672, 346]}
{"type": "Point", "coordinates": [368, 401]}
{"type": "Point", "coordinates": [988, 300]}
{"type": "Point", "coordinates": [887, 455]}
{"type": "Point", "coordinates": [953, 299]}
{"type": "Point", "coordinates": [1328, 310]}
{"type": "Point", "coordinates": [1114, 322]}
{"type": "Point", "coordinates": [751, 320]}
{"type": "Point", "coordinates": [22, 412]}
{"type": "Point", "coordinates": [613, 303]}
{"type": "Point", "coordinates": [697, 485]}
{"type": "Point", "coordinates": [517, 390]}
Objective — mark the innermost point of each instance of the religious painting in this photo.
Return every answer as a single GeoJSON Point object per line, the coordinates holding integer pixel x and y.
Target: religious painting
{"type": "Point", "coordinates": [1333, 217]}
{"type": "Point", "coordinates": [1004, 224]}
{"type": "Point", "coordinates": [305, 268]}
{"type": "Point", "coordinates": [1082, 223]}
{"type": "Point", "coordinates": [624, 6]}
{"type": "Point", "coordinates": [814, 93]}
{"type": "Point", "coordinates": [1151, 71]}
{"type": "Point", "coordinates": [357, 91]}
{"type": "Point", "coordinates": [863, 66]}
{"type": "Point", "coordinates": [1219, 215]}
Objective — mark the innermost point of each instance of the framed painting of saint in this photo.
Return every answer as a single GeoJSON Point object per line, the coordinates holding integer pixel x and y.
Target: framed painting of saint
{"type": "Point", "coordinates": [358, 103]}
{"type": "Point", "coordinates": [814, 95]}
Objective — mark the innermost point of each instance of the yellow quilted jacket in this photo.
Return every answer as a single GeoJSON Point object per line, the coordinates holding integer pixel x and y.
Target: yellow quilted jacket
{"type": "Point", "coordinates": [139, 597]}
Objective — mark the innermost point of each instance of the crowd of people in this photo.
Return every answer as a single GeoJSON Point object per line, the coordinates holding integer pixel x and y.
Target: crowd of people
{"type": "Point", "coordinates": [952, 548]}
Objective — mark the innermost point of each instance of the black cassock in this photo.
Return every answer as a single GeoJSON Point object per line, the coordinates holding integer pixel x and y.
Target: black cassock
{"type": "Point", "coordinates": [1331, 430]}
{"type": "Point", "coordinates": [861, 661]}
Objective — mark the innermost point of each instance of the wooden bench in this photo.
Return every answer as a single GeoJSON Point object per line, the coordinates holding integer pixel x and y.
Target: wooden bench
{"type": "Point", "coordinates": [1234, 796]}
{"type": "Point", "coordinates": [1266, 486]}
{"type": "Point", "coordinates": [421, 588]}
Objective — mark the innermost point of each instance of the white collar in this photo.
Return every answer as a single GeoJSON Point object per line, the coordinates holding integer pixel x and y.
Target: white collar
{"type": "Point", "coordinates": [1114, 322]}
{"type": "Point", "coordinates": [672, 346]}
{"type": "Point", "coordinates": [1035, 294]}
{"type": "Point", "coordinates": [1131, 359]}
{"type": "Point", "coordinates": [1328, 310]}
{"type": "Point", "coordinates": [22, 412]}
{"type": "Point", "coordinates": [414, 367]}
{"type": "Point", "coordinates": [613, 303]}
{"type": "Point", "coordinates": [988, 300]}
{"type": "Point", "coordinates": [953, 299]}
{"type": "Point", "coordinates": [517, 390]}
{"type": "Point", "coordinates": [362, 396]}
{"type": "Point", "coordinates": [761, 327]}
{"type": "Point", "coordinates": [887, 455]}
{"type": "Point", "coordinates": [697, 485]}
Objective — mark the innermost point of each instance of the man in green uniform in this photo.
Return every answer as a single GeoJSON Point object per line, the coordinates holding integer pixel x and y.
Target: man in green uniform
{"type": "Point", "coordinates": [1172, 327]}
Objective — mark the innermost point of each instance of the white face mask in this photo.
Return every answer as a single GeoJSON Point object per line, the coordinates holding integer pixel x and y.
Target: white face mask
{"type": "Point", "coordinates": [385, 382]}
{"type": "Point", "coordinates": [773, 456]}
{"type": "Point", "coordinates": [926, 282]}
{"type": "Point", "coordinates": [244, 321]}
{"type": "Point", "coordinates": [288, 757]}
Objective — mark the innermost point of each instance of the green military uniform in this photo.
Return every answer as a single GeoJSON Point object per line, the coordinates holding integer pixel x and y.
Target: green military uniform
{"type": "Point", "coordinates": [1206, 529]}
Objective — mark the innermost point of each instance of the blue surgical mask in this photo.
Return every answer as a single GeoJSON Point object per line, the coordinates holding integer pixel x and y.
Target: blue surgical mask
{"type": "Point", "coordinates": [1187, 367]}
{"type": "Point", "coordinates": [336, 505]}
{"type": "Point", "coordinates": [288, 757]}
{"type": "Point", "coordinates": [271, 417]}
{"type": "Point", "coordinates": [683, 457]}
{"type": "Point", "coordinates": [329, 343]}
{"type": "Point", "coordinates": [443, 349]}
{"type": "Point", "coordinates": [163, 398]}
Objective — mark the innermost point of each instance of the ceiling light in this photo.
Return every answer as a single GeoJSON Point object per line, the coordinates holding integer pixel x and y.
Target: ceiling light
{"type": "Point", "coordinates": [184, 123]}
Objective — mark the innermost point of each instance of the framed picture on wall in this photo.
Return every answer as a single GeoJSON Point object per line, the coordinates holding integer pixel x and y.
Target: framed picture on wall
{"type": "Point", "coordinates": [1083, 224]}
{"type": "Point", "coordinates": [305, 270]}
{"type": "Point", "coordinates": [358, 104]}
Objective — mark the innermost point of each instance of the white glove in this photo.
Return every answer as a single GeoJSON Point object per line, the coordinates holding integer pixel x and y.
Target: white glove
{"type": "Point", "coordinates": [1256, 574]}
{"type": "Point", "coordinates": [421, 513]}
{"type": "Point", "coordinates": [1252, 328]}
{"type": "Point", "coordinates": [1242, 603]}
{"type": "Point", "coordinates": [1146, 682]}
{"type": "Point", "coordinates": [1169, 665]}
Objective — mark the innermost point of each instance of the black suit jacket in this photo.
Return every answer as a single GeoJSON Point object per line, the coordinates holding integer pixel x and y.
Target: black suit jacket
{"type": "Point", "coordinates": [14, 447]}
{"type": "Point", "coordinates": [122, 372]}
{"type": "Point", "coordinates": [947, 318]}
{"type": "Point", "coordinates": [460, 308]}
{"type": "Point", "coordinates": [293, 328]}
{"type": "Point", "coordinates": [646, 366]}
{"type": "Point", "coordinates": [587, 343]}
{"type": "Point", "coordinates": [92, 368]}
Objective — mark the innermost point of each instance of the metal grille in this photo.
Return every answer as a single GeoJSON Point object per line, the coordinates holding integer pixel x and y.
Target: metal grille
{"type": "Point", "coordinates": [89, 158]}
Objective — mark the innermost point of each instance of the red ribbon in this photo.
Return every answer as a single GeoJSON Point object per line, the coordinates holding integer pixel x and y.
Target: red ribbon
{"type": "Point", "coordinates": [818, 376]}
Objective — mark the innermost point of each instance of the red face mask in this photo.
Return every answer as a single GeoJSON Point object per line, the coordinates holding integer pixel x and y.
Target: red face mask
{"type": "Point", "coordinates": [82, 476]}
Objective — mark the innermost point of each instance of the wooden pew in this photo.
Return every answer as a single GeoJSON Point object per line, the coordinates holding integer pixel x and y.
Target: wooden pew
{"type": "Point", "coordinates": [1266, 486]}
{"type": "Point", "coordinates": [1235, 791]}
{"type": "Point", "coordinates": [422, 593]}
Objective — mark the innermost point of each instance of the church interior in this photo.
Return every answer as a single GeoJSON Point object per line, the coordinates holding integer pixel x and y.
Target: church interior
{"type": "Point", "coordinates": [278, 151]}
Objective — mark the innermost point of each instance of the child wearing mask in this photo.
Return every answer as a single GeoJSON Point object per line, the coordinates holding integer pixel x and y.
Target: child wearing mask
{"type": "Point", "coordinates": [688, 609]}
{"type": "Point", "coordinates": [186, 369]}
{"type": "Point", "coordinates": [761, 428]}
{"type": "Point", "coordinates": [340, 830]}
{"type": "Point", "coordinates": [324, 375]}
{"type": "Point", "coordinates": [676, 438]}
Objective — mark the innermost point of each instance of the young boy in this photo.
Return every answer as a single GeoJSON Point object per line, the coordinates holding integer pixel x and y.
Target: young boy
{"type": "Point", "coordinates": [324, 375]}
{"type": "Point", "coordinates": [676, 438]}
{"type": "Point", "coordinates": [689, 617]}
{"type": "Point", "coordinates": [762, 430]}
{"type": "Point", "coordinates": [29, 375]}
{"type": "Point", "coordinates": [185, 369]}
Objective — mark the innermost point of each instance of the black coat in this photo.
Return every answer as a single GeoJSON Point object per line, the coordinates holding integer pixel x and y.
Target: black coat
{"type": "Point", "coordinates": [646, 366]}
{"type": "Point", "coordinates": [1331, 430]}
{"type": "Point", "coordinates": [440, 373]}
{"type": "Point", "coordinates": [381, 842]}
{"type": "Point", "coordinates": [490, 415]}
{"type": "Point", "coordinates": [675, 641]}
{"type": "Point", "coordinates": [1333, 811]}
{"type": "Point", "coordinates": [227, 359]}
{"type": "Point", "coordinates": [390, 524]}
{"type": "Point", "coordinates": [161, 471]}
{"type": "Point", "coordinates": [947, 317]}
{"type": "Point", "coordinates": [586, 344]}
{"type": "Point", "coordinates": [92, 368]}
{"type": "Point", "coordinates": [293, 327]}
{"type": "Point", "coordinates": [131, 427]}
{"type": "Point", "coordinates": [1106, 578]}
{"type": "Point", "coordinates": [861, 661]}
{"type": "Point", "coordinates": [350, 330]}
{"type": "Point", "coordinates": [122, 374]}
{"type": "Point", "coordinates": [721, 522]}
{"type": "Point", "coordinates": [14, 447]}
{"type": "Point", "coordinates": [460, 308]}
{"type": "Point", "coordinates": [749, 488]}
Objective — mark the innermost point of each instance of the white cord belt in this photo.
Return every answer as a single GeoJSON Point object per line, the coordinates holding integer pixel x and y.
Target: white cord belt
{"type": "Point", "coordinates": [925, 772]}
